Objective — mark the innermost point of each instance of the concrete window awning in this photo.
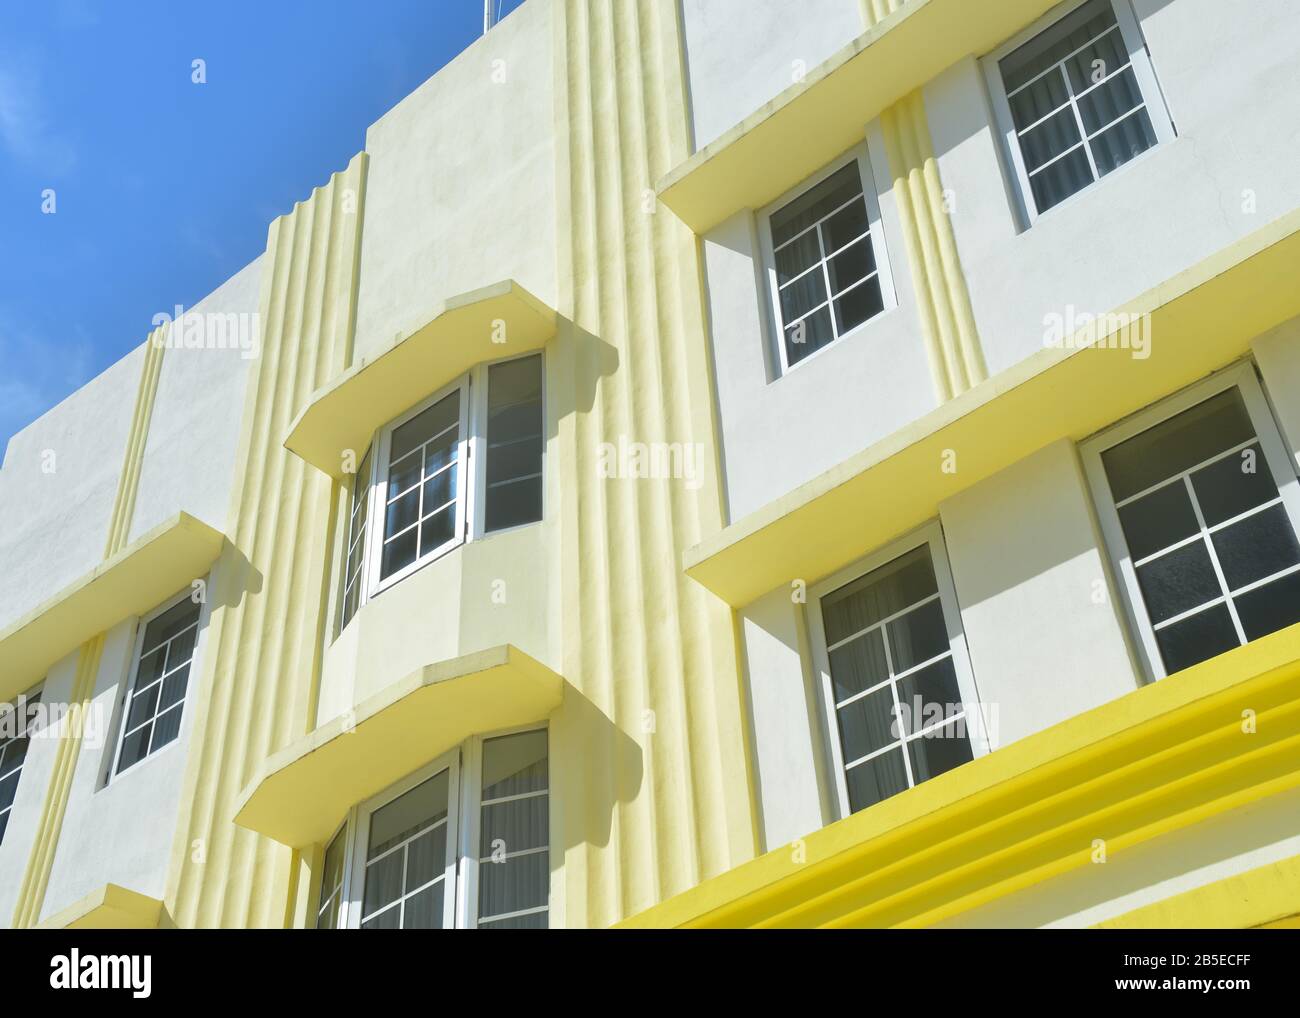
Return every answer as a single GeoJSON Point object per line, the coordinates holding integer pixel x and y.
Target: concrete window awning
{"type": "Point", "coordinates": [138, 578]}
{"type": "Point", "coordinates": [108, 908]}
{"type": "Point", "coordinates": [1196, 322]}
{"type": "Point", "coordinates": [301, 794]}
{"type": "Point", "coordinates": [486, 324]}
{"type": "Point", "coordinates": [821, 117]}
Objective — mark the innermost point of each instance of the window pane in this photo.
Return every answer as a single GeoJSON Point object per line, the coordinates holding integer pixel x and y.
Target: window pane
{"type": "Point", "coordinates": [930, 695]}
{"type": "Point", "coordinates": [423, 475]}
{"type": "Point", "coordinates": [939, 751]}
{"type": "Point", "coordinates": [514, 769]}
{"type": "Point", "coordinates": [421, 807]}
{"type": "Point", "coordinates": [1175, 445]}
{"type": "Point", "coordinates": [858, 664]}
{"type": "Point", "coordinates": [1258, 546]}
{"type": "Point", "coordinates": [802, 295]}
{"type": "Point", "coordinates": [918, 636]}
{"type": "Point", "coordinates": [798, 256]}
{"type": "Point", "coordinates": [423, 911]}
{"type": "Point", "coordinates": [851, 265]}
{"type": "Point", "coordinates": [515, 444]}
{"type": "Point", "coordinates": [1109, 101]}
{"type": "Point", "coordinates": [881, 593]}
{"type": "Point", "coordinates": [1196, 638]}
{"type": "Point", "coordinates": [845, 226]}
{"type": "Point", "coordinates": [1233, 485]}
{"type": "Point", "coordinates": [13, 753]}
{"type": "Point", "coordinates": [152, 717]}
{"type": "Point", "coordinates": [331, 884]}
{"type": "Point", "coordinates": [406, 850]}
{"type": "Point", "coordinates": [1178, 582]}
{"type": "Point", "coordinates": [1269, 608]}
{"type": "Point", "coordinates": [816, 204]}
{"type": "Point", "coordinates": [808, 336]}
{"type": "Point", "coordinates": [355, 548]}
{"type": "Point", "coordinates": [1065, 177]}
{"type": "Point", "coordinates": [1100, 58]}
{"type": "Point", "coordinates": [876, 779]}
{"type": "Point", "coordinates": [867, 724]}
{"type": "Point", "coordinates": [1056, 43]}
{"type": "Point", "coordinates": [1053, 137]}
{"type": "Point", "coordinates": [1117, 145]}
{"type": "Point", "coordinates": [1158, 520]}
{"type": "Point", "coordinates": [1041, 99]}
{"type": "Point", "coordinates": [858, 305]}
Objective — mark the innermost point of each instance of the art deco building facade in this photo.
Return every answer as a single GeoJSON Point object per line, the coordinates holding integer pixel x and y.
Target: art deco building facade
{"type": "Point", "coordinates": [711, 462]}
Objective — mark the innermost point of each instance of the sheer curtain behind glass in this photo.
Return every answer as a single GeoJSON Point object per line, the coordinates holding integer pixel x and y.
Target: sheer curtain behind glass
{"type": "Point", "coordinates": [514, 876]}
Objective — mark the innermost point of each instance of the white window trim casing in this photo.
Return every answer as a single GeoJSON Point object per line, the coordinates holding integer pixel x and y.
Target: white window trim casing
{"type": "Point", "coordinates": [776, 325]}
{"type": "Point", "coordinates": [1240, 376]}
{"type": "Point", "coordinates": [930, 535]}
{"type": "Point", "coordinates": [1153, 98]}
{"type": "Point", "coordinates": [470, 512]}
{"type": "Point", "coordinates": [110, 773]}
{"type": "Point", "coordinates": [464, 808]}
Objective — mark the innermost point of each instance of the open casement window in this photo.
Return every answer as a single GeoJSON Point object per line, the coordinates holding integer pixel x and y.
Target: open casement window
{"type": "Point", "coordinates": [1200, 508]}
{"type": "Point", "coordinates": [1076, 99]}
{"type": "Point", "coordinates": [465, 463]}
{"type": "Point", "coordinates": [896, 681]}
{"type": "Point", "coordinates": [160, 674]}
{"type": "Point", "coordinates": [15, 728]}
{"type": "Point", "coordinates": [826, 264]}
{"type": "Point", "coordinates": [464, 842]}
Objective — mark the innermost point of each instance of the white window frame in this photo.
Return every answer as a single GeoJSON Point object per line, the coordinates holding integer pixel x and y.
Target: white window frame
{"type": "Point", "coordinates": [977, 728]}
{"type": "Point", "coordinates": [378, 502]}
{"type": "Point", "coordinates": [355, 861]}
{"type": "Point", "coordinates": [860, 155]}
{"type": "Point", "coordinates": [1153, 100]}
{"type": "Point", "coordinates": [1241, 377]}
{"type": "Point", "coordinates": [465, 766]}
{"type": "Point", "coordinates": [26, 697]}
{"type": "Point", "coordinates": [473, 810]}
{"type": "Point", "coordinates": [470, 513]}
{"type": "Point", "coordinates": [124, 701]}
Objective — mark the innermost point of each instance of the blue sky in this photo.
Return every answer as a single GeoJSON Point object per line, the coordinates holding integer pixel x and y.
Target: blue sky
{"type": "Point", "coordinates": [164, 188]}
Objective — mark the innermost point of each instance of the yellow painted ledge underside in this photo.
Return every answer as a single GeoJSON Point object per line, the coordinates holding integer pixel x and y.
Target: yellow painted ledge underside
{"type": "Point", "coordinates": [301, 793]}
{"type": "Point", "coordinates": [817, 119]}
{"type": "Point", "coordinates": [495, 321]}
{"type": "Point", "coordinates": [139, 577]}
{"type": "Point", "coordinates": [1159, 759]}
{"type": "Point", "coordinates": [1200, 320]}
{"type": "Point", "coordinates": [109, 908]}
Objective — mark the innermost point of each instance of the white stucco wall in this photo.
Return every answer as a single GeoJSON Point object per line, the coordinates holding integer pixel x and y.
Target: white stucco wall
{"type": "Point", "coordinates": [778, 432]}
{"type": "Point", "coordinates": [189, 456]}
{"type": "Point", "coordinates": [461, 187]}
{"type": "Point", "coordinates": [1231, 75]}
{"type": "Point", "coordinates": [1038, 608]}
{"type": "Point", "coordinates": [58, 486]}
{"type": "Point", "coordinates": [742, 53]}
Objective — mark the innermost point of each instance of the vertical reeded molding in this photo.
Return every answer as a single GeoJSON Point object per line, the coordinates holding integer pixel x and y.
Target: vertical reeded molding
{"type": "Point", "coordinates": [952, 342]}
{"type": "Point", "coordinates": [266, 631]}
{"type": "Point", "coordinates": [36, 876]}
{"type": "Point", "coordinates": [876, 11]}
{"type": "Point", "coordinates": [659, 799]}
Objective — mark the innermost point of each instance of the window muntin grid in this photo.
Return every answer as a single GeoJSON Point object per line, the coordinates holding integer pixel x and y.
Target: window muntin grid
{"type": "Point", "coordinates": [151, 715]}
{"type": "Point", "coordinates": [421, 487]}
{"type": "Point", "coordinates": [1077, 101]}
{"type": "Point", "coordinates": [827, 273]}
{"type": "Point", "coordinates": [13, 753]}
{"type": "Point", "coordinates": [406, 873]}
{"type": "Point", "coordinates": [329, 911]}
{"type": "Point", "coordinates": [354, 558]}
{"type": "Point", "coordinates": [1210, 541]}
{"type": "Point", "coordinates": [889, 653]}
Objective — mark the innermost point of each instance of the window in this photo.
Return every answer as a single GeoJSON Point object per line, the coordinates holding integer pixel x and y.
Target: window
{"type": "Point", "coordinates": [15, 729]}
{"type": "Point", "coordinates": [826, 260]}
{"type": "Point", "coordinates": [395, 863]}
{"type": "Point", "coordinates": [1077, 101]}
{"type": "Point", "coordinates": [417, 492]}
{"type": "Point", "coordinates": [354, 554]}
{"type": "Point", "coordinates": [1200, 511]}
{"type": "Point", "coordinates": [156, 697]}
{"type": "Point", "coordinates": [895, 676]}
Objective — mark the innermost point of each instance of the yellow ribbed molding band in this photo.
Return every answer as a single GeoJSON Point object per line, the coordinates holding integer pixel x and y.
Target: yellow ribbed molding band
{"type": "Point", "coordinates": [266, 626]}
{"type": "Point", "coordinates": [875, 11]}
{"type": "Point", "coordinates": [660, 798]}
{"type": "Point", "coordinates": [36, 878]}
{"type": "Point", "coordinates": [119, 527]}
{"type": "Point", "coordinates": [31, 896]}
{"type": "Point", "coordinates": [956, 358]}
